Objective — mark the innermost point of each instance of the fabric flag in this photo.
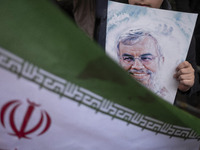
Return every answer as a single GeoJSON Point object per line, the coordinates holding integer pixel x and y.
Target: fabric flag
{"type": "Point", "coordinates": [60, 91]}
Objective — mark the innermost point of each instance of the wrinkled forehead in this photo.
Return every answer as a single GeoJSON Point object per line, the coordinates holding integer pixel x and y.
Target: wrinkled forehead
{"type": "Point", "coordinates": [133, 40]}
{"type": "Point", "coordinates": [146, 42]}
{"type": "Point", "coordinates": [145, 46]}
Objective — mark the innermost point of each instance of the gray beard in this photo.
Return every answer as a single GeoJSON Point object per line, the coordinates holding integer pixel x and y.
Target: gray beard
{"type": "Point", "coordinates": [154, 84]}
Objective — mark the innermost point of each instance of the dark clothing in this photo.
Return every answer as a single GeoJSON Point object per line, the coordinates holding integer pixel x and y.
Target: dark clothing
{"type": "Point", "coordinates": [191, 94]}
{"type": "Point", "coordinates": [194, 7]}
{"type": "Point", "coordinates": [188, 5]}
{"type": "Point", "coordinates": [84, 15]}
{"type": "Point", "coordinates": [166, 5]}
{"type": "Point", "coordinates": [197, 36]}
{"type": "Point", "coordinates": [194, 52]}
{"type": "Point", "coordinates": [100, 24]}
{"type": "Point", "coordinates": [183, 5]}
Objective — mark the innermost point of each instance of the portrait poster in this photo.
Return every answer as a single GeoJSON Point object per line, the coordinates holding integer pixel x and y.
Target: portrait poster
{"type": "Point", "coordinates": [154, 65]}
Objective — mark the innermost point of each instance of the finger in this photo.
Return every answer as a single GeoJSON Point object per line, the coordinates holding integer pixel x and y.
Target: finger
{"type": "Point", "coordinates": [185, 77]}
{"type": "Point", "coordinates": [182, 65]}
{"type": "Point", "coordinates": [187, 83]}
{"type": "Point", "coordinates": [183, 71]}
{"type": "Point", "coordinates": [181, 75]}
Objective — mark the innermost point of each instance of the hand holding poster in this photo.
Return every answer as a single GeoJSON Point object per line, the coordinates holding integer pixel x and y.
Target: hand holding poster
{"type": "Point", "coordinates": [149, 44]}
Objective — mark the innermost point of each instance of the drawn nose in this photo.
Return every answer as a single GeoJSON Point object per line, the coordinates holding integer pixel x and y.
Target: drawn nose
{"type": "Point", "coordinates": [137, 65]}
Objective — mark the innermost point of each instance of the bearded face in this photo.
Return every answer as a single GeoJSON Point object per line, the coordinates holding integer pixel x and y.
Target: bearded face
{"type": "Point", "coordinates": [140, 59]}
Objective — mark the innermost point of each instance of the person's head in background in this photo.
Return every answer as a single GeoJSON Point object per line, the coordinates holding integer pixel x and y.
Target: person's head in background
{"type": "Point", "coordinates": [163, 4]}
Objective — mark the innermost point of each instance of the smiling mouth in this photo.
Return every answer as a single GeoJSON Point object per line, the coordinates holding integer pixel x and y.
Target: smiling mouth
{"type": "Point", "coordinates": [139, 76]}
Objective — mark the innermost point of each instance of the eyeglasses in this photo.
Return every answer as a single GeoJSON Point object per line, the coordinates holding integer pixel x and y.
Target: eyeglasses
{"type": "Point", "coordinates": [145, 59]}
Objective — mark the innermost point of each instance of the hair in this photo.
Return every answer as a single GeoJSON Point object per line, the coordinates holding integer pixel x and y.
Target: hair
{"type": "Point", "coordinates": [134, 36]}
{"type": "Point", "coordinates": [166, 5]}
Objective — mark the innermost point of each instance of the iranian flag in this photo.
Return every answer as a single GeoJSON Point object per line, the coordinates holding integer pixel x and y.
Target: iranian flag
{"type": "Point", "coordinates": [59, 91]}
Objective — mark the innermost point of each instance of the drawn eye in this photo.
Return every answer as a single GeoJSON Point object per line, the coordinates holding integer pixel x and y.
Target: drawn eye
{"type": "Point", "coordinates": [128, 58]}
{"type": "Point", "coordinates": [146, 58]}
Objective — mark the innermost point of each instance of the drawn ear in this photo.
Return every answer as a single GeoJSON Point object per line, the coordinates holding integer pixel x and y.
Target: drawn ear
{"type": "Point", "coordinates": [162, 59]}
